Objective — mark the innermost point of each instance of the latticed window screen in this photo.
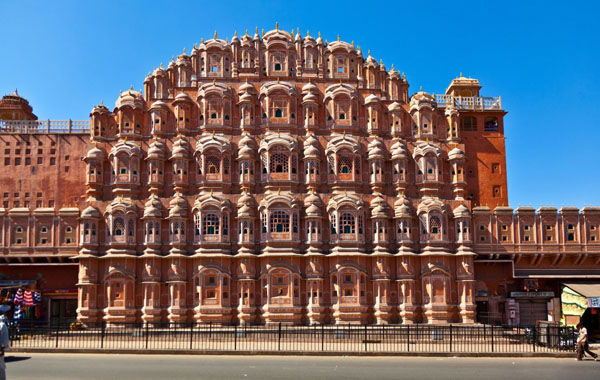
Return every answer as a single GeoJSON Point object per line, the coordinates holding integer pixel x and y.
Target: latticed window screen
{"type": "Point", "coordinates": [265, 161]}
{"type": "Point", "coordinates": [225, 224]}
{"type": "Point", "coordinates": [294, 222]}
{"type": "Point", "coordinates": [280, 221]}
{"type": "Point", "coordinates": [214, 109]}
{"type": "Point", "coordinates": [347, 223]}
{"type": "Point", "coordinates": [226, 165]}
{"type": "Point", "coordinates": [344, 164]}
{"type": "Point", "coordinates": [278, 108]}
{"type": "Point", "coordinates": [331, 163]}
{"type": "Point", "coordinates": [342, 109]}
{"type": "Point", "coordinates": [360, 224]}
{"type": "Point", "coordinates": [357, 164]}
{"type": "Point", "coordinates": [264, 222]}
{"type": "Point", "coordinates": [210, 224]}
{"type": "Point", "coordinates": [197, 223]}
{"type": "Point", "coordinates": [434, 224]}
{"type": "Point", "coordinates": [279, 162]}
{"type": "Point", "coordinates": [333, 220]}
{"type": "Point", "coordinates": [294, 164]}
{"type": "Point", "coordinates": [213, 165]}
{"type": "Point", "coordinates": [130, 228]}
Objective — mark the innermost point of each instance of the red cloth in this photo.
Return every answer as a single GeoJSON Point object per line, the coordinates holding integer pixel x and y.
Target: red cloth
{"type": "Point", "coordinates": [28, 298]}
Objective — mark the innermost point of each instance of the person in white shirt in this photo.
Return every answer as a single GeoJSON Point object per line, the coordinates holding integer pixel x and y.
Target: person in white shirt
{"type": "Point", "coordinates": [582, 343]}
{"type": "Point", "coordinates": [4, 340]}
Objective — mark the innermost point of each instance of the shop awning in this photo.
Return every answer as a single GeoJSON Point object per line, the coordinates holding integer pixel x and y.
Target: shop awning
{"type": "Point", "coordinates": [591, 290]}
{"type": "Point", "coordinates": [15, 283]}
{"type": "Point", "coordinates": [567, 273]}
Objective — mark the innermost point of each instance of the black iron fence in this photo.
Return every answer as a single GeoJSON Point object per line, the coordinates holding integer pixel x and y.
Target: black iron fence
{"type": "Point", "coordinates": [287, 338]}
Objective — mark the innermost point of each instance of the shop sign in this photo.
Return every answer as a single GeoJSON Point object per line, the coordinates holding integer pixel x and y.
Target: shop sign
{"type": "Point", "coordinates": [594, 302]}
{"type": "Point", "coordinates": [532, 294]}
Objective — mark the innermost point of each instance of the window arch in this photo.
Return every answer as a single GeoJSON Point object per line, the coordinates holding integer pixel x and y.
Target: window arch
{"type": "Point", "coordinates": [210, 224]}
{"type": "Point", "coordinates": [119, 227]}
{"type": "Point", "coordinates": [347, 223]}
{"type": "Point", "coordinates": [279, 162]}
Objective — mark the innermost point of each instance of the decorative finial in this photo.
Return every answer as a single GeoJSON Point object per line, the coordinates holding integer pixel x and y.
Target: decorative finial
{"type": "Point", "coordinates": [340, 82]}
{"type": "Point", "coordinates": [235, 33]}
{"type": "Point", "coordinates": [369, 52]}
{"type": "Point", "coordinates": [262, 32]}
{"type": "Point", "coordinates": [346, 193]}
{"type": "Point", "coordinates": [195, 45]}
{"type": "Point", "coordinates": [403, 76]}
{"type": "Point", "coordinates": [277, 79]}
{"type": "Point", "coordinates": [125, 140]}
{"type": "Point", "coordinates": [279, 191]}
{"type": "Point", "coordinates": [257, 30]}
{"type": "Point", "coordinates": [202, 40]}
{"type": "Point", "coordinates": [130, 87]}
{"type": "Point", "coordinates": [307, 33]}
{"type": "Point", "coordinates": [161, 65]}
{"type": "Point", "coordinates": [211, 192]}
{"type": "Point", "coordinates": [246, 79]}
{"type": "Point", "coordinates": [352, 43]}
{"type": "Point", "coordinates": [183, 51]}
{"type": "Point", "coordinates": [319, 33]}
{"type": "Point", "coordinates": [380, 62]}
{"type": "Point", "coordinates": [420, 88]}
{"type": "Point", "coordinates": [173, 58]}
{"type": "Point", "coordinates": [308, 79]}
{"type": "Point", "coordinates": [392, 66]}
{"type": "Point", "coordinates": [344, 135]}
{"type": "Point", "coordinates": [278, 132]}
{"type": "Point", "coordinates": [213, 134]}
{"type": "Point", "coordinates": [276, 25]}
{"type": "Point", "coordinates": [215, 35]}
{"type": "Point", "coordinates": [461, 75]}
{"type": "Point", "coordinates": [245, 190]}
{"type": "Point", "coordinates": [214, 82]}
{"type": "Point", "coordinates": [298, 31]}
{"type": "Point", "coordinates": [338, 37]}
{"type": "Point", "coordinates": [101, 102]}
{"type": "Point", "coordinates": [246, 32]}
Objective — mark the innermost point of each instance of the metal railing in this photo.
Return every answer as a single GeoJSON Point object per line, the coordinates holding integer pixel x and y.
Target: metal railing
{"type": "Point", "coordinates": [287, 338]}
{"type": "Point", "coordinates": [475, 103]}
{"type": "Point", "coordinates": [44, 126]}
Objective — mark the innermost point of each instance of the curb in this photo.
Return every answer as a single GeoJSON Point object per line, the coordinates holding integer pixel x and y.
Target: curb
{"type": "Point", "coordinates": [300, 353]}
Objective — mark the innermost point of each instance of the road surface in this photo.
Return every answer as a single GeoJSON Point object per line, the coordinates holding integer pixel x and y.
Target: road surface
{"type": "Point", "coordinates": [23, 366]}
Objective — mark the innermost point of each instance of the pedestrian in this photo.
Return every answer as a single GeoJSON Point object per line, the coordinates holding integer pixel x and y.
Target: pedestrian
{"type": "Point", "coordinates": [4, 341]}
{"type": "Point", "coordinates": [582, 343]}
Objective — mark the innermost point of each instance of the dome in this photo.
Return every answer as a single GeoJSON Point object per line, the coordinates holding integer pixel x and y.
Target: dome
{"type": "Point", "coordinates": [159, 71]}
{"type": "Point", "coordinates": [183, 97]}
{"type": "Point", "coordinates": [181, 148]}
{"type": "Point", "coordinates": [246, 87]}
{"type": "Point", "coordinates": [422, 98]}
{"type": "Point", "coordinates": [402, 208]}
{"type": "Point", "coordinates": [159, 105]}
{"type": "Point", "coordinates": [461, 212]}
{"type": "Point", "coordinates": [311, 148]}
{"type": "Point", "coordinates": [379, 207]}
{"type": "Point", "coordinates": [90, 212]}
{"type": "Point", "coordinates": [372, 99]}
{"type": "Point", "coordinates": [100, 108]}
{"type": "Point", "coordinates": [156, 150]}
{"type": "Point", "coordinates": [95, 154]}
{"type": "Point", "coordinates": [310, 98]}
{"type": "Point", "coordinates": [395, 107]}
{"type": "Point", "coordinates": [246, 148]}
{"type": "Point", "coordinates": [456, 154]}
{"type": "Point", "coordinates": [246, 97]}
{"type": "Point", "coordinates": [130, 98]}
{"type": "Point", "coordinates": [246, 206]}
{"type": "Point", "coordinates": [153, 208]}
{"type": "Point", "coordinates": [309, 87]}
{"type": "Point", "coordinates": [399, 151]}
{"type": "Point", "coordinates": [313, 206]}
{"type": "Point", "coordinates": [376, 150]}
{"type": "Point", "coordinates": [178, 207]}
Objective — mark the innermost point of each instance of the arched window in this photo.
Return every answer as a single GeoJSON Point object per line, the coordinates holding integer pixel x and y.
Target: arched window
{"type": "Point", "coordinates": [347, 223]}
{"type": "Point", "coordinates": [210, 224]}
{"type": "Point", "coordinates": [344, 165]}
{"type": "Point", "coordinates": [118, 227]}
{"type": "Point", "coordinates": [490, 124]}
{"type": "Point", "coordinates": [213, 165]}
{"type": "Point", "coordinates": [280, 221]}
{"type": "Point", "coordinates": [130, 228]}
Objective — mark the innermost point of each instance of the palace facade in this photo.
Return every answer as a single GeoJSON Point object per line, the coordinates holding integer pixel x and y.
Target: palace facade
{"type": "Point", "coordinates": [282, 178]}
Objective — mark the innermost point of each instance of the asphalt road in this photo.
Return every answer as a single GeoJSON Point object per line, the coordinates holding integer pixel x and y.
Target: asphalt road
{"type": "Point", "coordinates": [174, 367]}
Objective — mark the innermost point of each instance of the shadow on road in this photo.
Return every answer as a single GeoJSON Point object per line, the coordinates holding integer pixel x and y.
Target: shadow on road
{"type": "Point", "coordinates": [9, 359]}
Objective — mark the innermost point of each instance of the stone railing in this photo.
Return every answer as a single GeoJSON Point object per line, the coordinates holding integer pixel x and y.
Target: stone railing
{"type": "Point", "coordinates": [44, 126]}
{"type": "Point", "coordinates": [475, 103]}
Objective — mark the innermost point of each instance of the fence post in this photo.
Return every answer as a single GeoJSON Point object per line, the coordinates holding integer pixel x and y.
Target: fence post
{"type": "Point", "coordinates": [103, 324]}
{"type": "Point", "coordinates": [147, 324]}
{"type": "Point", "coordinates": [534, 337]}
{"type": "Point", "coordinates": [365, 338]}
{"type": "Point", "coordinates": [57, 332]}
{"type": "Point", "coordinates": [492, 326]}
{"type": "Point", "coordinates": [279, 337]}
{"type": "Point", "coordinates": [450, 337]}
{"type": "Point", "coordinates": [192, 335]}
{"type": "Point", "coordinates": [235, 338]}
{"type": "Point", "coordinates": [407, 338]}
{"type": "Point", "coordinates": [322, 337]}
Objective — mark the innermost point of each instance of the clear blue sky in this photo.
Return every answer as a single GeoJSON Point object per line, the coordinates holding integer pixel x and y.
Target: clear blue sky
{"type": "Point", "coordinates": [542, 57]}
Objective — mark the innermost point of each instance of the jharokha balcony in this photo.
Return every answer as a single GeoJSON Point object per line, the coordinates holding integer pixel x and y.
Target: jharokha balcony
{"type": "Point", "coordinates": [474, 103]}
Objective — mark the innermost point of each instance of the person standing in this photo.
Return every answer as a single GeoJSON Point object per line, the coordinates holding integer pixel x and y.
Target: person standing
{"type": "Point", "coordinates": [4, 340]}
{"type": "Point", "coordinates": [582, 343]}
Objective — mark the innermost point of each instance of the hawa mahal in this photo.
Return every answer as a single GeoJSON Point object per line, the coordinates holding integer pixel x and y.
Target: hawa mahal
{"type": "Point", "coordinates": [281, 178]}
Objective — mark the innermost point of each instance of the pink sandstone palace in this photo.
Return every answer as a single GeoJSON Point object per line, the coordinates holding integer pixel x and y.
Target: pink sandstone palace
{"type": "Point", "coordinates": [281, 178]}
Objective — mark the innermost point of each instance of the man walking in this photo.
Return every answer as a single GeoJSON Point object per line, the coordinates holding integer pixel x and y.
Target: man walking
{"type": "Point", "coordinates": [4, 340]}
{"type": "Point", "coordinates": [582, 343]}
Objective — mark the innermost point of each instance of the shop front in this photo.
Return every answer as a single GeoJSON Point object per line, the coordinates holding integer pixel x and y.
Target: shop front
{"type": "Point", "coordinates": [581, 302]}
